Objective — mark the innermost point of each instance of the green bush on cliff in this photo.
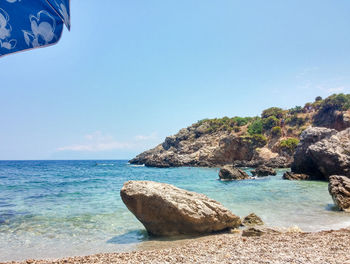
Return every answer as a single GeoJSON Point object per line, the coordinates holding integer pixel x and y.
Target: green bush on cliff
{"type": "Point", "coordinates": [256, 127]}
{"type": "Point", "coordinates": [224, 124]}
{"type": "Point", "coordinates": [295, 121]}
{"type": "Point", "coordinates": [270, 122]}
{"type": "Point", "coordinates": [273, 111]}
{"type": "Point", "coordinates": [257, 140]}
{"type": "Point", "coordinates": [340, 102]}
{"type": "Point", "coordinates": [241, 121]}
{"type": "Point", "coordinates": [289, 144]}
{"type": "Point", "coordinates": [296, 110]}
{"type": "Point", "coordinates": [318, 98]}
{"type": "Point", "coordinates": [276, 131]}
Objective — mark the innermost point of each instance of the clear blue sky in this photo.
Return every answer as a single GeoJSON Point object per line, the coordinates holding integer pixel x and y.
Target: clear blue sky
{"type": "Point", "coordinates": [132, 72]}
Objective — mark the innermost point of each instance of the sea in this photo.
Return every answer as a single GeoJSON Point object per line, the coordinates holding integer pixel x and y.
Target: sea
{"type": "Point", "coordinates": [53, 209]}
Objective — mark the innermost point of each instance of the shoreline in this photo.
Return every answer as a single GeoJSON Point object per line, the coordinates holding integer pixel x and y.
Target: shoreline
{"type": "Point", "coordinates": [289, 247]}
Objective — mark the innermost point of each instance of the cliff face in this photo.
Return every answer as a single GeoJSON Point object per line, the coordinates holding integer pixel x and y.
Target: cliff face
{"type": "Point", "coordinates": [192, 147]}
{"type": "Point", "coordinates": [251, 141]}
{"type": "Point", "coordinates": [338, 120]}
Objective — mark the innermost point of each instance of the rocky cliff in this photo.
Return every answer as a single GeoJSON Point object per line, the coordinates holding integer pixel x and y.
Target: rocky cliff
{"type": "Point", "coordinates": [190, 147]}
{"type": "Point", "coordinates": [250, 141]}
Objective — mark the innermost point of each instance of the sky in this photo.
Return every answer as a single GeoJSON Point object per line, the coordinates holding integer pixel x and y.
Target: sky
{"type": "Point", "coordinates": [130, 73]}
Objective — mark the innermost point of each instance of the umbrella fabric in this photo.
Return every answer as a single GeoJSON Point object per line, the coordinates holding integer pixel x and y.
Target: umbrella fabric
{"type": "Point", "coordinates": [28, 24]}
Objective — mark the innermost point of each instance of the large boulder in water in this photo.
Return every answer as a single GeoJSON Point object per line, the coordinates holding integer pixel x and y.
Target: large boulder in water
{"type": "Point", "coordinates": [229, 172]}
{"type": "Point", "coordinates": [263, 171]}
{"type": "Point", "coordinates": [332, 156]}
{"type": "Point", "coordinates": [303, 163]}
{"type": "Point", "coordinates": [339, 189]}
{"type": "Point", "coordinates": [166, 210]}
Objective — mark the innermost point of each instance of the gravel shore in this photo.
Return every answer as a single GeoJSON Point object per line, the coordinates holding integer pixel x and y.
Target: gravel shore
{"type": "Point", "coordinates": [319, 248]}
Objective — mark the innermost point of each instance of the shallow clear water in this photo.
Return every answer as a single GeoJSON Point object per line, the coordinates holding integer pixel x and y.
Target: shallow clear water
{"type": "Point", "coordinates": [65, 208]}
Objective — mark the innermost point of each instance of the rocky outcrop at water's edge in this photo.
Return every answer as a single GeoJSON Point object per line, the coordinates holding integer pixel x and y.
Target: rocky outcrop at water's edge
{"type": "Point", "coordinates": [339, 189]}
{"type": "Point", "coordinates": [229, 173]}
{"type": "Point", "coordinates": [323, 152]}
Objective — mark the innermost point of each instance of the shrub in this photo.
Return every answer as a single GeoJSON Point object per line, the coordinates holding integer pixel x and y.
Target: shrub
{"type": "Point", "coordinates": [273, 111]}
{"type": "Point", "coordinates": [308, 107]}
{"type": "Point", "coordinates": [335, 102]}
{"type": "Point", "coordinates": [289, 144]}
{"type": "Point", "coordinates": [256, 127]}
{"type": "Point", "coordinates": [223, 124]}
{"type": "Point", "coordinates": [296, 110]}
{"type": "Point", "coordinates": [295, 121]}
{"type": "Point", "coordinates": [318, 98]}
{"type": "Point", "coordinates": [317, 104]}
{"type": "Point", "coordinates": [241, 121]}
{"type": "Point", "coordinates": [276, 131]}
{"type": "Point", "coordinates": [257, 140]}
{"type": "Point", "coordinates": [270, 122]}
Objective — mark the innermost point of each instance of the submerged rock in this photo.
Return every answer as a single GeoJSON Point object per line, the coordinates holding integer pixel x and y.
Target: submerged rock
{"type": "Point", "coordinates": [295, 176]}
{"type": "Point", "coordinates": [339, 189]}
{"type": "Point", "coordinates": [166, 210]}
{"type": "Point", "coordinates": [263, 171]}
{"type": "Point", "coordinates": [229, 172]}
{"type": "Point", "coordinates": [252, 220]}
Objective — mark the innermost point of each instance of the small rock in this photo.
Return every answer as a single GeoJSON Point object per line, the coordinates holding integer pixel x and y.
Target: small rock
{"type": "Point", "coordinates": [229, 172]}
{"type": "Point", "coordinates": [263, 171]}
{"type": "Point", "coordinates": [339, 189]}
{"type": "Point", "coordinates": [294, 229]}
{"type": "Point", "coordinates": [235, 231]}
{"type": "Point", "coordinates": [295, 176]}
{"type": "Point", "coordinates": [252, 220]}
{"type": "Point", "coordinates": [252, 231]}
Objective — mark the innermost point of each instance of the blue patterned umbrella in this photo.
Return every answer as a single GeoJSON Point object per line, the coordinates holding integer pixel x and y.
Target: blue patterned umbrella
{"type": "Point", "coordinates": [28, 24]}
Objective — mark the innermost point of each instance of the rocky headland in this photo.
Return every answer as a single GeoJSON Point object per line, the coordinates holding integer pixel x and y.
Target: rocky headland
{"type": "Point", "coordinates": [270, 139]}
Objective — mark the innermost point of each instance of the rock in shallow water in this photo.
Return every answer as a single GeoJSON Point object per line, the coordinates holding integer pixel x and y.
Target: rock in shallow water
{"type": "Point", "coordinates": [263, 171]}
{"type": "Point", "coordinates": [252, 220]}
{"type": "Point", "coordinates": [166, 210]}
{"type": "Point", "coordinates": [323, 152]}
{"type": "Point", "coordinates": [229, 172]}
{"type": "Point", "coordinates": [339, 189]}
{"type": "Point", "coordinates": [294, 176]}
{"type": "Point", "coordinates": [332, 155]}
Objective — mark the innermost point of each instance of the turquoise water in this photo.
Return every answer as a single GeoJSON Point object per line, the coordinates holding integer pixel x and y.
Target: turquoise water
{"type": "Point", "coordinates": [65, 208]}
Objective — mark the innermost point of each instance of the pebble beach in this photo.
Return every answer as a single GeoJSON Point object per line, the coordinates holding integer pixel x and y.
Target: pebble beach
{"type": "Point", "coordinates": [325, 247]}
